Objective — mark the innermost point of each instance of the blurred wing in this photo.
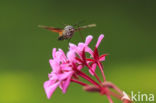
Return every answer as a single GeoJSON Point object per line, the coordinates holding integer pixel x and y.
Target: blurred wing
{"type": "Point", "coordinates": [86, 26]}
{"type": "Point", "coordinates": [58, 30]}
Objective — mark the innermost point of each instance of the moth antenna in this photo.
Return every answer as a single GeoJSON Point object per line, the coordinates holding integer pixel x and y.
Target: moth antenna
{"type": "Point", "coordinates": [42, 26]}
{"type": "Point", "coordinates": [88, 26]}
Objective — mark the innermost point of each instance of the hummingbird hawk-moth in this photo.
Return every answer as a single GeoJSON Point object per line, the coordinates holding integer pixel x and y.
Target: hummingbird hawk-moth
{"type": "Point", "coordinates": [68, 30]}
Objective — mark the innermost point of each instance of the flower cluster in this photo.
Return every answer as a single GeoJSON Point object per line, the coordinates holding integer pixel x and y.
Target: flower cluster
{"type": "Point", "coordinates": [68, 67]}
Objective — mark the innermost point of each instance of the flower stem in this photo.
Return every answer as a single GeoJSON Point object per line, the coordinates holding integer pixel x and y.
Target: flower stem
{"type": "Point", "coordinates": [83, 75]}
{"type": "Point", "coordinates": [79, 82]}
{"type": "Point", "coordinates": [94, 73]}
{"type": "Point", "coordinates": [109, 98]}
{"type": "Point", "coordinates": [111, 85]}
{"type": "Point", "coordinates": [101, 69]}
{"type": "Point", "coordinates": [115, 95]}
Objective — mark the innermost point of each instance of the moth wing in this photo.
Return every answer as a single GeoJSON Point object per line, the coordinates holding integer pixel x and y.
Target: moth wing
{"type": "Point", "coordinates": [58, 30]}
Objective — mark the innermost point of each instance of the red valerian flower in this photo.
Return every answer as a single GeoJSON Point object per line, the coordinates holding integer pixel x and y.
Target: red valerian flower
{"type": "Point", "coordinates": [68, 67]}
{"type": "Point", "coordinates": [61, 73]}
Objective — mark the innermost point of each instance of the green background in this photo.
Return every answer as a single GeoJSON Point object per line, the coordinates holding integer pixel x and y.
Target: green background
{"type": "Point", "coordinates": [130, 38]}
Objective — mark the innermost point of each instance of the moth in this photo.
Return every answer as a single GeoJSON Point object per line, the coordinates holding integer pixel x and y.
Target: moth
{"type": "Point", "coordinates": [68, 30]}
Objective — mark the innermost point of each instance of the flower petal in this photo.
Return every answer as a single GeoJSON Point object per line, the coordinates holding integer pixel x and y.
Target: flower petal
{"type": "Point", "coordinates": [62, 55]}
{"type": "Point", "coordinates": [49, 89]}
{"type": "Point", "coordinates": [72, 46]}
{"type": "Point", "coordinates": [89, 50]}
{"type": "Point", "coordinates": [66, 84]}
{"type": "Point", "coordinates": [99, 40]}
{"type": "Point", "coordinates": [64, 75]}
{"type": "Point", "coordinates": [54, 65]}
{"type": "Point", "coordinates": [71, 56]}
{"type": "Point", "coordinates": [81, 46]}
{"type": "Point", "coordinates": [88, 39]}
{"type": "Point", "coordinates": [80, 67]}
{"type": "Point", "coordinates": [102, 58]}
{"type": "Point", "coordinates": [54, 52]}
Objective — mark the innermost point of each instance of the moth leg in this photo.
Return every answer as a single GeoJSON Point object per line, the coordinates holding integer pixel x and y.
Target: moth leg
{"type": "Point", "coordinates": [80, 34]}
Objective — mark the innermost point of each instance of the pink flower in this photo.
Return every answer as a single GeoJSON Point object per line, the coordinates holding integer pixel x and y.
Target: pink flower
{"type": "Point", "coordinates": [96, 59]}
{"type": "Point", "coordinates": [61, 72]}
{"type": "Point", "coordinates": [66, 68]}
{"type": "Point", "coordinates": [81, 46]}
